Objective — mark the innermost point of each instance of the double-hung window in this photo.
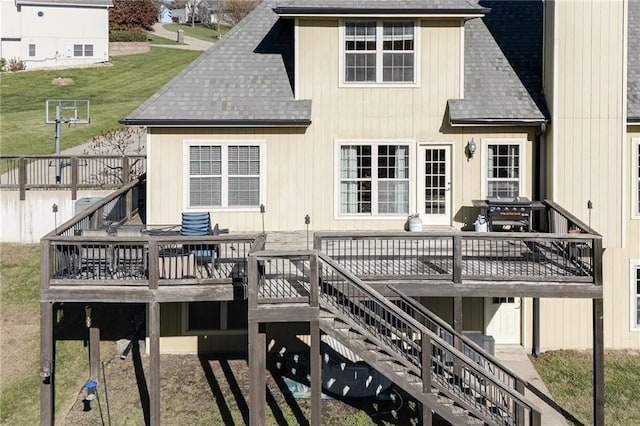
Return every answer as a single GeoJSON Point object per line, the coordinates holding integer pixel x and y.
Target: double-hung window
{"type": "Point", "coordinates": [83, 50]}
{"type": "Point", "coordinates": [379, 52]}
{"type": "Point", "coordinates": [504, 169]}
{"type": "Point", "coordinates": [373, 179]}
{"type": "Point", "coordinates": [635, 294]}
{"type": "Point", "coordinates": [211, 317]}
{"type": "Point", "coordinates": [224, 175]}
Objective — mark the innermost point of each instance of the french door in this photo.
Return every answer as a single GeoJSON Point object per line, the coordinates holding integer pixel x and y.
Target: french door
{"type": "Point", "coordinates": [434, 184]}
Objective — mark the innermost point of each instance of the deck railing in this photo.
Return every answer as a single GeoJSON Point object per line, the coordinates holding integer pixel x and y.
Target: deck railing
{"type": "Point", "coordinates": [23, 173]}
{"type": "Point", "coordinates": [459, 256]}
{"type": "Point", "coordinates": [99, 247]}
{"type": "Point", "coordinates": [431, 359]}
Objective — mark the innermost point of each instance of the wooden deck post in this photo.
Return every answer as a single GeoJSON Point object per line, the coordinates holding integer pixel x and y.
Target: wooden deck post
{"type": "Point", "coordinates": [74, 178]}
{"type": "Point", "coordinates": [154, 363]}
{"type": "Point", "coordinates": [457, 326]}
{"type": "Point", "coordinates": [457, 258]}
{"type": "Point", "coordinates": [257, 382]}
{"type": "Point", "coordinates": [427, 349]}
{"type": "Point", "coordinates": [94, 353]}
{"type": "Point", "coordinates": [316, 373]}
{"type": "Point", "coordinates": [47, 364]}
{"type": "Point", "coordinates": [598, 363]}
{"type": "Point", "coordinates": [22, 177]}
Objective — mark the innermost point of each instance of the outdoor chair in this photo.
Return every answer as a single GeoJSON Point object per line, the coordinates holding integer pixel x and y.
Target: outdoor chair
{"type": "Point", "coordinates": [199, 224]}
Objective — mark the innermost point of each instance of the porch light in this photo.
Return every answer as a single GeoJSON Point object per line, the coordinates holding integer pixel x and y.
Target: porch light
{"type": "Point", "coordinates": [262, 212]}
{"type": "Point", "coordinates": [87, 318]}
{"type": "Point", "coordinates": [471, 148]}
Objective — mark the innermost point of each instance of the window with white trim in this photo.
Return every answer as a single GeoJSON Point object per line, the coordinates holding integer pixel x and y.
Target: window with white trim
{"type": "Point", "coordinates": [636, 178]}
{"type": "Point", "coordinates": [225, 175]}
{"type": "Point", "coordinates": [379, 52]}
{"type": "Point", "coordinates": [374, 179]}
{"type": "Point", "coordinates": [504, 173]}
{"type": "Point", "coordinates": [207, 317]}
{"type": "Point", "coordinates": [83, 50]}
{"type": "Point", "coordinates": [634, 272]}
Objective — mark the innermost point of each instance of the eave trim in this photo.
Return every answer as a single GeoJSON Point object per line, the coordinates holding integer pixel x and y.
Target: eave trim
{"type": "Point", "coordinates": [354, 11]}
{"type": "Point", "coordinates": [214, 123]}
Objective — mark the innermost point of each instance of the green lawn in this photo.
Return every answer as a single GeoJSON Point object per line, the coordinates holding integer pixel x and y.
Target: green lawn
{"type": "Point", "coordinates": [199, 31]}
{"type": "Point", "coordinates": [568, 375]}
{"type": "Point", "coordinates": [114, 91]}
{"type": "Point", "coordinates": [155, 39]}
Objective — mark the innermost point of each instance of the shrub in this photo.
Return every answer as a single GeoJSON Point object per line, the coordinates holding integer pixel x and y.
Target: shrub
{"type": "Point", "coordinates": [16, 64]}
{"type": "Point", "coordinates": [127, 35]}
{"type": "Point", "coordinates": [3, 63]}
{"type": "Point", "coordinates": [175, 19]}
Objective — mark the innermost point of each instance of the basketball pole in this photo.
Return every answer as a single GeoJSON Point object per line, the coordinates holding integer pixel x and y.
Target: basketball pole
{"type": "Point", "coordinates": [58, 134]}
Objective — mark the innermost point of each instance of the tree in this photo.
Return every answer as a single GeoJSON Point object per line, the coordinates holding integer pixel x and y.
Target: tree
{"type": "Point", "coordinates": [233, 11]}
{"type": "Point", "coordinates": [133, 15]}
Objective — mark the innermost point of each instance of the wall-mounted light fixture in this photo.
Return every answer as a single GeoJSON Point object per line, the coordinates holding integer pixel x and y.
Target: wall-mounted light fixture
{"type": "Point", "coordinates": [262, 212]}
{"type": "Point", "coordinates": [471, 148]}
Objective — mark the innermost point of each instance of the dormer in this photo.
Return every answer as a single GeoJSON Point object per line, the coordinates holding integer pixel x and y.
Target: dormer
{"type": "Point", "coordinates": [379, 44]}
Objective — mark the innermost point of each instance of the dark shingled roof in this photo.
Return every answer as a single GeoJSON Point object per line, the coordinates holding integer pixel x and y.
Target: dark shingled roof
{"type": "Point", "coordinates": [245, 79]}
{"type": "Point", "coordinates": [633, 63]}
{"type": "Point", "coordinates": [503, 66]}
{"type": "Point", "coordinates": [458, 7]}
{"type": "Point", "coordinates": [86, 3]}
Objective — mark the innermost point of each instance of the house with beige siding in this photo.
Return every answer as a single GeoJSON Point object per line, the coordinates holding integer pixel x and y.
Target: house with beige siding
{"type": "Point", "coordinates": [314, 130]}
{"type": "Point", "coordinates": [55, 33]}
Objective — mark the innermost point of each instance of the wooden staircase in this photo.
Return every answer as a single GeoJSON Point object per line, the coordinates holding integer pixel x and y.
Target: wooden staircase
{"type": "Point", "coordinates": [429, 368]}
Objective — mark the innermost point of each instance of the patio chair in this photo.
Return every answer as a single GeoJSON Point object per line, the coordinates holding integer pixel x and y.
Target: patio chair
{"type": "Point", "coordinates": [198, 224]}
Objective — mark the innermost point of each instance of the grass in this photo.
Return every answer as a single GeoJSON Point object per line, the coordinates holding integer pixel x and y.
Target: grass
{"type": "Point", "coordinates": [19, 308]}
{"type": "Point", "coordinates": [568, 375]}
{"type": "Point", "coordinates": [155, 39]}
{"type": "Point", "coordinates": [113, 90]}
{"type": "Point", "coordinates": [199, 31]}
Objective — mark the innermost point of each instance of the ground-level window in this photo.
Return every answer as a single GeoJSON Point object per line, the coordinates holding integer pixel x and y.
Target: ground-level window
{"type": "Point", "coordinates": [635, 294]}
{"type": "Point", "coordinates": [636, 177]}
{"type": "Point", "coordinates": [32, 50]}
{"type": "Point", "coordinates": [83, 50]}
{"type": "Point", "coordinates": [225, 175]}
{"type": "Point", "coordinates": [504, 169]}
{"type": "Point", "coordinates": [373, 178]}
{"type": "Point", "coordinates": [216, 316]}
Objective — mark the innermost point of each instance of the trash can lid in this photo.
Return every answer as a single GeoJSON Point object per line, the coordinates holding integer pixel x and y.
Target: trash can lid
{"type": "Point", "coordinates": [91, 384]}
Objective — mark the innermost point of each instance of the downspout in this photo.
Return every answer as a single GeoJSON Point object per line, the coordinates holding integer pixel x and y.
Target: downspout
{"type": "Point", "coordinates": [540, 192]}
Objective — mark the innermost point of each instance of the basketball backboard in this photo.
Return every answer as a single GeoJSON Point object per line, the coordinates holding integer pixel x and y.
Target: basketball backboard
{"type": "Point", "coordinates": [74, 111]}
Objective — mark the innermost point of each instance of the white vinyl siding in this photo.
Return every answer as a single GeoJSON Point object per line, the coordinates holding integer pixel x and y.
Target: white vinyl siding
{"type": "Point", "coordinates": [636, 178]}
{"type": "Point", "coordinates": [504, 172]}
{"type": "Point", "coordinates": [373, 179]}
{"type": "Point", "coordinates": [379, 52]}
{"type": "Point", "coordinates": [224, 175]}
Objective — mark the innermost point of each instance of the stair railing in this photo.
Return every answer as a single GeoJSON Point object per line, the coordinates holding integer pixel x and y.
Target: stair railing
{"type": "Point", "coordinates": [414, 345]}
{"type": "Point", "coordinates": [476, 353]}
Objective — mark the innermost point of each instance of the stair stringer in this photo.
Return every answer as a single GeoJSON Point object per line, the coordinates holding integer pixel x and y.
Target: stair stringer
{"type": "Point", "coordinates": [405, 375]}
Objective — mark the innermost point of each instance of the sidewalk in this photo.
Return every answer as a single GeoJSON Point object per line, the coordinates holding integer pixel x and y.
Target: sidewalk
{"type": "Point", "coordinates": [190, 43]}
{"type": "Point", "coordinates": [515, 358]}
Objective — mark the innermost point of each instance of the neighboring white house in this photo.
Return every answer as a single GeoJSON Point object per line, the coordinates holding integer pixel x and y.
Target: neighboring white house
{"type": "Point", "coordinates": [53, 33]}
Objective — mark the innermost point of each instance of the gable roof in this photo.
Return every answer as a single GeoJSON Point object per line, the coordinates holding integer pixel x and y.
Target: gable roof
{"type": "Point", "coordinates": [381, 7]}
{"type": "Point", "coordinates": [503, 67]}
{"type": "Point", "coordinates": [633, 63]}
{"type": "Point", "coordinates": [81, 3]}
{"type": "Point", "coordinates": [245, 79]}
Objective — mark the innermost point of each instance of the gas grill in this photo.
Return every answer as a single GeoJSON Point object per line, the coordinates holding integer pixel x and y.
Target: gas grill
{"type": "Point", "coordinates": [509, 211]}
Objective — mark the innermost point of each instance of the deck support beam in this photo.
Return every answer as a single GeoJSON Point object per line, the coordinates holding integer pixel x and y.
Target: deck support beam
{"type": "Point", "coordinates": [257, 380]}
{"type": "Point", "coordinates": [154, 363]}
{"type": "Point", "coordinates": [316, 373]}
{"type": "Point", "coordinates": [598, 363]}
{"type": "Point", "coordinates": [536, 327]}
{"type": "Point", "coordinates": [47, 364]}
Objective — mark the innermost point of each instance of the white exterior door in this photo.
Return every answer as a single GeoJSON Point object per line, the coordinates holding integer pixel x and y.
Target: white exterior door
{"type": "Point", "coordinates": [434, 186]}
{"type": "Point", "coordinates": [502, 319]}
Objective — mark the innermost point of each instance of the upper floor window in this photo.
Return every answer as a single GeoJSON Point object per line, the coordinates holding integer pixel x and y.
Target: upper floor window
{"type": "Point", "coordinates": [636, 178]}
{"type": "Point", "coordinates": [379, 52]}
{"type": "Point", "coordinates": [225, 175]}
{"type": "Point", "coordinates": [374, 179]}
{"type": "Point", "coordinates": [504, 169]}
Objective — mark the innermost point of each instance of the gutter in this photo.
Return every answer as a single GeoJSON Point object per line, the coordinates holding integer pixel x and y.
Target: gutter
{"type": "Point", "coordinates": [214, 123]}
{"type": "Point", "coordinates": [293, 11]}
{"type": "Point", "coordinates": [534, 122]}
